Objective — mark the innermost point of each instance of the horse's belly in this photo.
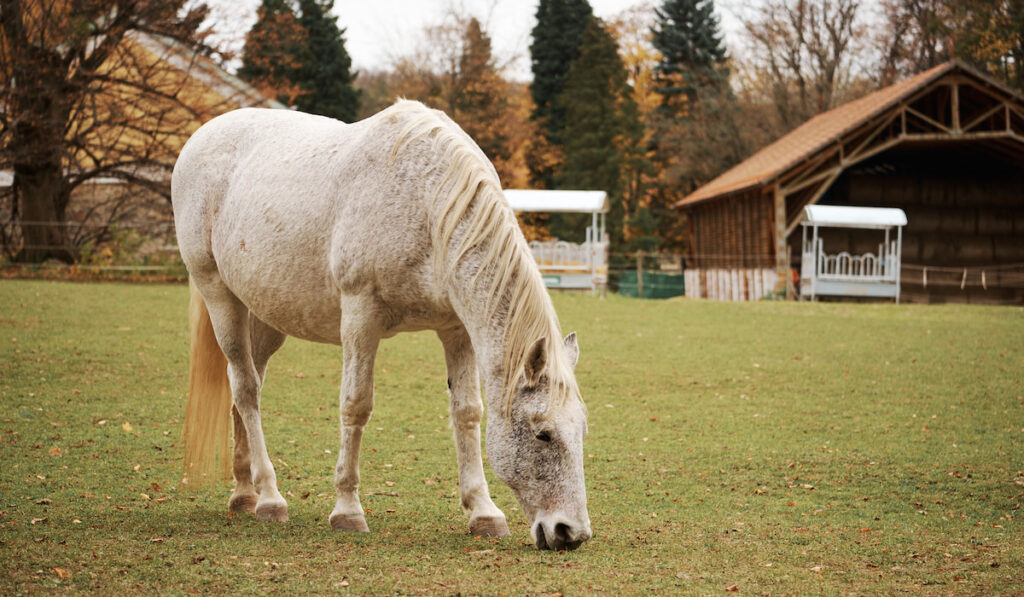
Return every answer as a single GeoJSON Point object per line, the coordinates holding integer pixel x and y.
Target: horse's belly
{"type": "Point", "coordinates": [293, 294]}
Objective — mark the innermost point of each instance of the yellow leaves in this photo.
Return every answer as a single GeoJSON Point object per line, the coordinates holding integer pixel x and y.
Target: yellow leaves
{"type": "Point", "coordinates": [61, 573]}
{"type": "Point", "coordinates": [126, 427]}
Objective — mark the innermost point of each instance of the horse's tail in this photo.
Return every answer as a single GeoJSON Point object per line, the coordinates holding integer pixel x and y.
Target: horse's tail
{"type": "Point", "coordinates": [208, 414]}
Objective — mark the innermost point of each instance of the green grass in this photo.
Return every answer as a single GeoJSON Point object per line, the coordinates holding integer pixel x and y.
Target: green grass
{"type": "Point", "coordinates": [774, 447]}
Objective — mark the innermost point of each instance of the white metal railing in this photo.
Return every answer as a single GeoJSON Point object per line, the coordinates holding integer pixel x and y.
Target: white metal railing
{"type": "Point", "coordinates": [563, 255]}
{"type": "Point", "coordinates": [846, 267]}
{"type": "Point", "coordinates": [866, 267]}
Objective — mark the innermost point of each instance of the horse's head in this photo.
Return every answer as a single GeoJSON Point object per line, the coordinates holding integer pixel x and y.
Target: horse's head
{"type": "Point", "coordinates": [537, 449]}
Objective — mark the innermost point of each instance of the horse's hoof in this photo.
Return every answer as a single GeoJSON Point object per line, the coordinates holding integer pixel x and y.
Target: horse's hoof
{"type": "Point", "coordinates": [275, 512]}
{"type": "Point", "coordinates": [245, 502]}
{"type": "Point", "coordinates": [488, 526]}
{"type": "Point", "coordinates": [345, 522]}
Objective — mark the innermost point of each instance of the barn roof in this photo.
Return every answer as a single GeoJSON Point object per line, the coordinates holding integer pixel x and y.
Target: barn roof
{"type": "Point", "coordinates": [822, 131]}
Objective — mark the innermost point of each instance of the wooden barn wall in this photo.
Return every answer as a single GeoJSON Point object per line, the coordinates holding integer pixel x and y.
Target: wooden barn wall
{"type": "Point", "coordinates": [732, 232]}
{"type": "Point", "coordinates": [731, 249]}
{"type": "Point", "coordinates": [965, 209]}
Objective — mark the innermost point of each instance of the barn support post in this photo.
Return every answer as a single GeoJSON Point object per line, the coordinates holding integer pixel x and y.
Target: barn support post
{"type": "Point", "coordinates": [781, 260]}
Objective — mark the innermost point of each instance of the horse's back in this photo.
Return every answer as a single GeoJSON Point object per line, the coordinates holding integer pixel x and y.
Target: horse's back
{"type": "Point", "coordinates": [290, 211]}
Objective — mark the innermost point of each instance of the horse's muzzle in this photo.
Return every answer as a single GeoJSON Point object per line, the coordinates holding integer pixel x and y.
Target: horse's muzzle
{"type": "Point", "coordinates": [559, 534]}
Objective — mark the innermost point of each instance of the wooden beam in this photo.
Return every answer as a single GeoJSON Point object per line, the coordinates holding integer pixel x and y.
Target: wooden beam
{"type": "Point", "coordinates": [973, 136]}
{"type": "Point", "coordinates": [791, 226]}
{"type": "Point", "coordinates": [955, 107]}
{"type": "Point", "coordinates": [798, 174]}
{"type": "Point", "coordinates": [781, 263]}
{"type": "Point", "coordinates": [929, 120]}
{"type": "Point", "coordinates": [789, 190]}
{"type": "Point", "coordinates": [854, 154]}
{"type": "Point", "coordinates": [981, 118]}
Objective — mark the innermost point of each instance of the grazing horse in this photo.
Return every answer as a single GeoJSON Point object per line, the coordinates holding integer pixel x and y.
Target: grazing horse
{"type": "Point", "coordinates": [299, 225]}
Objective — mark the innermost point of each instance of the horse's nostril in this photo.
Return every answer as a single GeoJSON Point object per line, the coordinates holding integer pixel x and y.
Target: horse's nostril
{"type": "Point", "coordinates": [540, 540]}
{"type": "Point", "coordinates": [562, 533]}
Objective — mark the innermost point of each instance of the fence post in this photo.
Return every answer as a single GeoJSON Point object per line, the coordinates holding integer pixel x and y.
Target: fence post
{"type": "Point", "coordinates": [639, 274]}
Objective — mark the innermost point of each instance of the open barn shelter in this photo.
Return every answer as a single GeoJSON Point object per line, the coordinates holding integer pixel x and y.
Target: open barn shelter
{"type": "Point", "coordinates": [946, 146]}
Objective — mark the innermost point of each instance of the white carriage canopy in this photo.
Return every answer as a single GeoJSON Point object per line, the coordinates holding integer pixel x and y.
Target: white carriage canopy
{"type": "Point", "coordinates": [845, 274]}
{"type": "Point", "coordinates": [562, 263]}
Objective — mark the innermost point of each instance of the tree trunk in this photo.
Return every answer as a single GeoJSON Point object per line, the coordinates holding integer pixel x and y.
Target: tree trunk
{"type": "Point", "coordinates": [40, 94]}
{"type": "Point", "coordinates": [43, 229]}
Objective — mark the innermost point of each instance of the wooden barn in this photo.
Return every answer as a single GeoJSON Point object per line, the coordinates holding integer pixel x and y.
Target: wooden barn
{"type": "Point", "coordinates": [945, 146]}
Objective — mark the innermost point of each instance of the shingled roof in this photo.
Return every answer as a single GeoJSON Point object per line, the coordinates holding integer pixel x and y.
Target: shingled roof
{"type": "Point", "coordinates": [819, 132]}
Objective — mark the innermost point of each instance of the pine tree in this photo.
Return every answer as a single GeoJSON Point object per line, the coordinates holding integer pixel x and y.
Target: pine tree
{"type": "Point", "coordinates": [687, 35]}
{"type": "Point", "coordinates": [480, 101]}
{"type": "Point", "coordinates": [556, 42]}
{"type": "Point", "coordinates": [327, 77]}
{"type": "Point", "coordinates": [300, 58]}
{"type": "Point", "coordinates": [275, 48]}
{"type": "Point", "coordinates": [602, 129]}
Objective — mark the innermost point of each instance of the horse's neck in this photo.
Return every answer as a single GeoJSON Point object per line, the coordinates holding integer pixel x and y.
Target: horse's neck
{"type": "Point", "coordinates": [487, 334]}
{"type": "Point", "coordinates": [487, 328]}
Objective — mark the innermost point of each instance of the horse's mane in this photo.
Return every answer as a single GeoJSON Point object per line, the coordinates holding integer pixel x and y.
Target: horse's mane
{"type": "Point", "coordinates": [469, 195]}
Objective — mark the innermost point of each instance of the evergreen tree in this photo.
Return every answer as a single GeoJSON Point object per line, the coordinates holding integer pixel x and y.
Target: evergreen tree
{"type": "Point", "coordinates": [602, 128]}
{"type": "Point", "coordinates": [300, 59]}
{"type": "Point", "coordinates": [275, 48]}
{"type": "Point", "coordinates": [480, 101]}
{"type": "Point", "coordinates": [327, 76]}
{"type": "Point", "coordinates": [556, 42]}
{"type": "Point", "coordinates": [687, 35]}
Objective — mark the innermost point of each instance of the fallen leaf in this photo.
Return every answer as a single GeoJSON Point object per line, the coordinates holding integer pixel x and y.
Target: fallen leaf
{"type": "Point", "coordinates": [157, 540]}
{"type": "Point", "coordinates": [145, 496]}
{"type": "Point", "coordinates": [732, 589]}
{"type": "Point", "coordinates": [816, 569]}
{"type": "Point", "coordinates": [389, 483]}
{"type": "Point", "coordinates": [38, 520]}
{"type": "Point", "coordinates": [62, 573]}
{"type": "Point", "coordinates": [342, 584]}
{"type": "Point", "coordinates": [54, 451]}
{"type": "Point", "coordinates": [126, 426]}
{"type": "Point", "coordinates": [44, 501]}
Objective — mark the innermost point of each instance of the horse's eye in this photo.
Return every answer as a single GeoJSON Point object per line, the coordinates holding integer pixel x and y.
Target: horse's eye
{"type": "Point", "coordinates": [544, 436]}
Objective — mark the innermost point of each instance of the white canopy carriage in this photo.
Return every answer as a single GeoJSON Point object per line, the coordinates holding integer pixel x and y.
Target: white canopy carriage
{"type": "Point", "coordinates": [844, 274]}
{"type": "Point", "coordinates": [567, 264]}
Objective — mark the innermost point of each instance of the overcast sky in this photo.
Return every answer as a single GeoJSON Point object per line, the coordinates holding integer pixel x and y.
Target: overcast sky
{"type": "Point", "coordinates": [378, 31]}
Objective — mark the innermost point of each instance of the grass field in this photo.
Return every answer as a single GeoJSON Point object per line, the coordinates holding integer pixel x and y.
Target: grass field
{"type": "Point", "coordinates": [759, 447]}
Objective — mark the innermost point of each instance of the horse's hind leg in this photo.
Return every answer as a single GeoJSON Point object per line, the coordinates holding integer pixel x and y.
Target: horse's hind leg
{"type": "Point", "coordinates": [265, 341]}
{"type": "Point", "coordinates": [359, 340]}
{"type": "Point", "coordinates": [466, 408]}
{"type": "Point", "coordinates": [230, 319]}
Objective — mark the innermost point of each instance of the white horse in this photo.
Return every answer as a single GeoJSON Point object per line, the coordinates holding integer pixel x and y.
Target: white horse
{"type": "Point", "coordinates": [299, 225]}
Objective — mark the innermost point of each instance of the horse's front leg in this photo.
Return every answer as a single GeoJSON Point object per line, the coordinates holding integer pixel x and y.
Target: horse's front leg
{"type": "Point", "coordinates": [466, 410]}
{"type": "Point", "coordinates": [359, 340]}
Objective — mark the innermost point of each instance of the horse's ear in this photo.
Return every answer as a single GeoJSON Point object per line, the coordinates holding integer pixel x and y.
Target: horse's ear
{"type": "Point", "coordinates": [572, 349]}
{"type": "Point", "coordinates": [536, 358]}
